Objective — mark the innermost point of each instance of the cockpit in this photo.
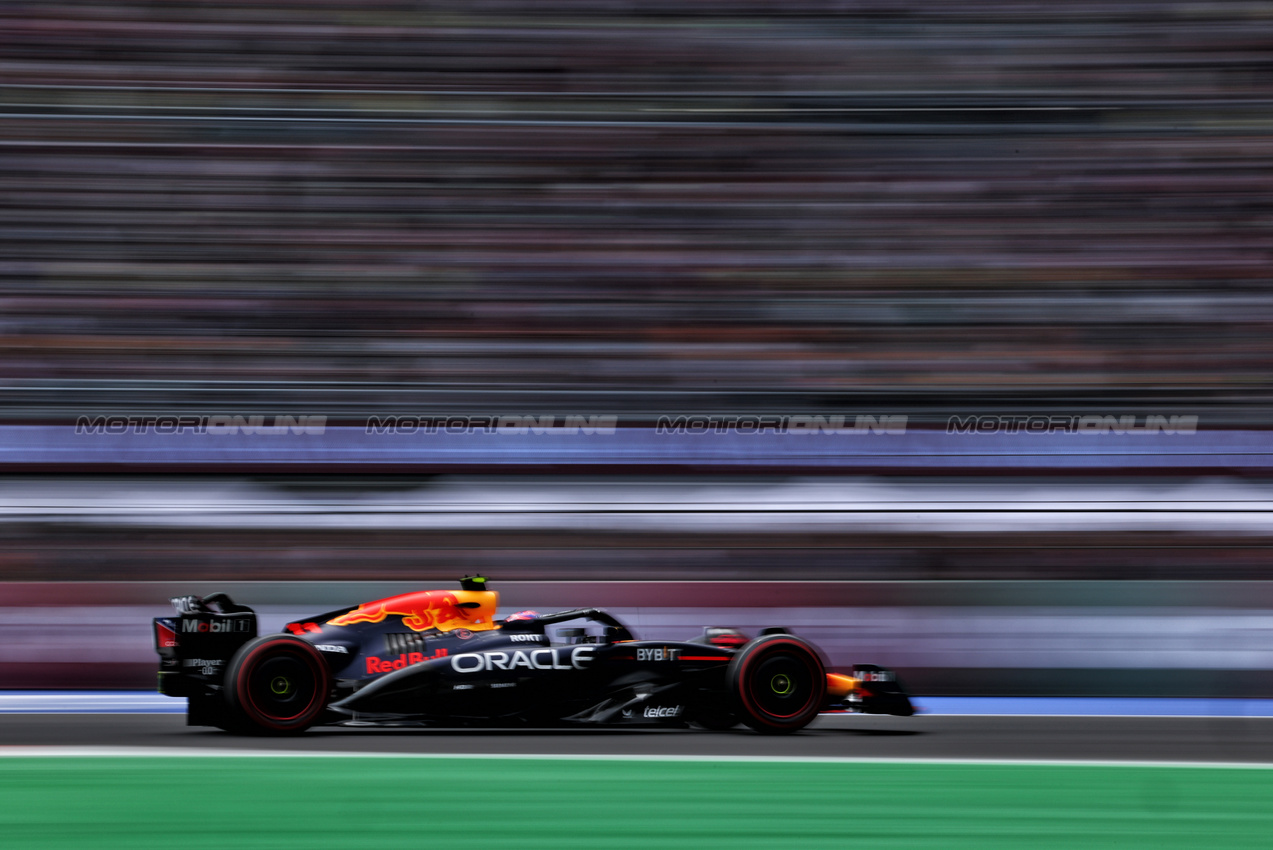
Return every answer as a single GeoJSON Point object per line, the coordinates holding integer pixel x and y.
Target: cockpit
{"type": "Point", "coordinates": [577, 626]}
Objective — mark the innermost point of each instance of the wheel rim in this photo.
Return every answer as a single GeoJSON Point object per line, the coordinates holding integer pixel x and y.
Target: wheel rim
{"type": "Point", "coordinates": [783, 684]}
{"type": "Point", "coordinates": [282, 686]}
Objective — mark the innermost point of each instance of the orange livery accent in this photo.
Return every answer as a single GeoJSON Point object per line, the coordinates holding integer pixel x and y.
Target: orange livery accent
{"type": "Point", "coordinates": [840, 686]}
{"type": "Point", "coordinates": [429, 609]}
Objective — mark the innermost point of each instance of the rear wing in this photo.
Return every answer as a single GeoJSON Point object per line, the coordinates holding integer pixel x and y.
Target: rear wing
{"type": "Point", "coordinates": [196, 645]}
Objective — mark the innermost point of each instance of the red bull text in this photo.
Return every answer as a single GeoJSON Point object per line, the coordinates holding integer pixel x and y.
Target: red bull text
{"type": "Point", "coordinates": [406, 659]}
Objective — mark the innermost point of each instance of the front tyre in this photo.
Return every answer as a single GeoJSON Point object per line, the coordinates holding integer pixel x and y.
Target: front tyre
{"type": "Point", "coordinates": [778, 684]}
{"type": "Point", "coordinates": [276, 685]}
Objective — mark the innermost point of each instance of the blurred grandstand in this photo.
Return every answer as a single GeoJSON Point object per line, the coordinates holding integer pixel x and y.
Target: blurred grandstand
{"type": "Point", "coordinates": [352, 207]}
{"type": "Point", "coordinates": [754, 208]}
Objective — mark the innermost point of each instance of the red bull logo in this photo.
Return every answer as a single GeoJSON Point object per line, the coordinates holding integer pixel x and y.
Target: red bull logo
{"type": "Point", "coordinates": [406, 659]}
{"type": "Point", "coordinates": [429, 609]}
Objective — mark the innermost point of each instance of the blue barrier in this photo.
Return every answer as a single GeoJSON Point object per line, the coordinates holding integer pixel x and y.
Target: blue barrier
{"type": "Point", "coordinates": [340, 447]}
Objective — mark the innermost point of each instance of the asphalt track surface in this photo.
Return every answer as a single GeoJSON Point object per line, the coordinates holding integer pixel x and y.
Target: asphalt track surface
{"type": "Point", "coordinates": [1104, 739]}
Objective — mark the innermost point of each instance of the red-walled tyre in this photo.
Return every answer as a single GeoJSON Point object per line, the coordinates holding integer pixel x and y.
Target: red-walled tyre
{"type": "Point", "coordinates": [276, 685]}
{"type": "Point", "coordinates": [778, 683]}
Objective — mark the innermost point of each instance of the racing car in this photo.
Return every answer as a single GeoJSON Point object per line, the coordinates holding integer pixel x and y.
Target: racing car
{"type": "Point", "coordinates": [442, 658]}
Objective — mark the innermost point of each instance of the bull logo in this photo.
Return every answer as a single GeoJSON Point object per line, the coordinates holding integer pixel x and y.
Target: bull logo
{"type": "Point", "coordinates": [426, 609]}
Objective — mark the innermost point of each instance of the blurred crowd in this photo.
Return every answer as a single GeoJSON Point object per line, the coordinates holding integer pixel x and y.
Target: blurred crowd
{"type": "Point", "coordinates": [642, 201]}
{"type": "Point", "coordinates": [34, 554]}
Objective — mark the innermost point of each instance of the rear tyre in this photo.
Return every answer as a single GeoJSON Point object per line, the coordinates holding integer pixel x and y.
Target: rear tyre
{"type": "Point", "coordinates": [276, 685]}
{"type": "Point", "coordinates": [778, 684]}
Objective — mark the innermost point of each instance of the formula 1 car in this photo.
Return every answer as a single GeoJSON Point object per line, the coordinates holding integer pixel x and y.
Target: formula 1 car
{"type": "Point", "coordinates": [441, 658]}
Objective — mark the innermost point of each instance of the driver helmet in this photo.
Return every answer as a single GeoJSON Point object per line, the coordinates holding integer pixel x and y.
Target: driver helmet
{"type": "Point", "coordinates": [524, 615]}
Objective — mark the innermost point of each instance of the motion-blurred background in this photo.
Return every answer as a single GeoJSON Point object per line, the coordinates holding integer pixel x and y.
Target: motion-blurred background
{"type": "Point", "coordinates": [1023, 249]}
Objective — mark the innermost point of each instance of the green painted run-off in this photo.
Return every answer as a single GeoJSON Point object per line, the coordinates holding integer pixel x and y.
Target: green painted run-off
{"type": "Point", "coordinates": [189, 803]}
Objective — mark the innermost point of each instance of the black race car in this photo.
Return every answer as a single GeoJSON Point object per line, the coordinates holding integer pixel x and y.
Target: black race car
{"type": "Point", "coordinates": [441, 658]}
